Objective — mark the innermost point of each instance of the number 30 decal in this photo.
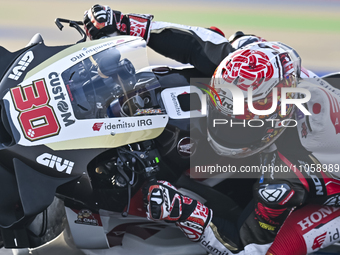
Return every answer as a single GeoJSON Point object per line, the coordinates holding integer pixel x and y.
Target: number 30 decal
{"type": "Point", "coordinates": [37, 118]}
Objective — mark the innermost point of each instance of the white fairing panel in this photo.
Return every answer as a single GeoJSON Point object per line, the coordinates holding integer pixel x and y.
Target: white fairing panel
{"type": "Point", "coordinates": [86, 98]}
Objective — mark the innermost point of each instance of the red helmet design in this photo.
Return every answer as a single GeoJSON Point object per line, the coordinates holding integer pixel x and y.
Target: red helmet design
{"type": "Point", "coordinates": [251, 67]}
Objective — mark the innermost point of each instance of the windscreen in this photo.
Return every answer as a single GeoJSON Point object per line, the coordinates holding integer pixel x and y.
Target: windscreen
{"type": "Point", "coordinates": [111, 84]}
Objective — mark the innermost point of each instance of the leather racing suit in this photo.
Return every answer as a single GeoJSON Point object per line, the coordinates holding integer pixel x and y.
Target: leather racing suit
{"type": "Point", "coordinates": [305, 149]}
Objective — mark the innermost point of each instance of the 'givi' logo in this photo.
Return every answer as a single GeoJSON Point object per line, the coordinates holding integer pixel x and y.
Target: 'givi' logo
{"type": "Point", "coordinates": [21, 66]}
{"type": "Point", "coordinates": [55, 162]}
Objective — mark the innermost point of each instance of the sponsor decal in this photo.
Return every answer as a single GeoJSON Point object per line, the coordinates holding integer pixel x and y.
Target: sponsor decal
{"type": "Point", "coordinates": [148, 111]}
{"type": "Point", "coordinates": [36, 117]}
{"type": "Point", "coordinates": [138, 26]}
{"type": "Point", "coordinates": [186, 147]}
{"type": "Point", "coordinates": [78, 57]}
{"type": "Point", "coordinates": [211, 248]}
{"type": "Point", "coordinates": [318, 241]}
{"type": "Point", "coordinates": [86, 217]}
{"type": "Point", "coordinates": [323, 235]}
{"type": "Point", "coordinates": [194, 226]}
{"type": "Point", "coordinates": [192, 230]}
{"type": "Point", "coordinates": [227, 103]}
{"type": "Point", "coordinates": [55, 162]}
{"type": "Point", "coordinates": [121, 124]}
{"type": "Point", "coordinates": [59, 96]}
{"type": "Point", "coordinates": [273, 193]}
{"type": "Point", "coordinates": [318, 185]}
{"type": "Point", "coordinates": [316, 217]}
{"type": "Point", "coordinates": [267, 226]}
{"type": "Point", "coordinates": [333, 201]}
{"type": "Point", "coordinates": [21, 66]}
{"type": "Point", "coordinates": [97, 126]}
{"type": "Point", "coordinates": [334, 236]}
{"type": "Point", "coordinates": [91, 50]}
{"type": "Point", "coordinates": [176, 103]}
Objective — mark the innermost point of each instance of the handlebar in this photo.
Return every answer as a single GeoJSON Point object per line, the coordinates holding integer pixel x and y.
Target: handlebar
{"type": "Point", "coordinates": [74, 24]}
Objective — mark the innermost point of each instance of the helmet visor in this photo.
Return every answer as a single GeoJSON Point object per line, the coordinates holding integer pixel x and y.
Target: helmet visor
{"type": "Point", "coordinates": [237, 133]}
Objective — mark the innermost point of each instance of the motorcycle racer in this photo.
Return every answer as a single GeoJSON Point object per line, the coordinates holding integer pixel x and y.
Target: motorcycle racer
{"type": "Point", "coordinates": [275, 195]}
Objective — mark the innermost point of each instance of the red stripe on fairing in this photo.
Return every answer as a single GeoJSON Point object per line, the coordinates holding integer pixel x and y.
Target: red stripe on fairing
{"type": "Point", "coordinates": [295, 170]}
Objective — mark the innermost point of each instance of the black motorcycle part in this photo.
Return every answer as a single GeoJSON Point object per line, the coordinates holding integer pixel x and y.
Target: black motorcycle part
{"type": "Point", "coordinates": [10, 63]}
{"type": "Point", "coordinates": [222, 205]}
{"type": "Point", "coordinates": [29, 193]}
{"type": "Point", "coordinates": [74, 24]}
{"type": "Point", "coordinates": [6, 133]}
{"type": "Point", "coordinates": [15, 238]}
{"type": "Point", "coordinates": [10, 204]}
{"type": "Point", "coordinates": [333, 79]}
{"type": "Point", "coordinates": [7, 58]}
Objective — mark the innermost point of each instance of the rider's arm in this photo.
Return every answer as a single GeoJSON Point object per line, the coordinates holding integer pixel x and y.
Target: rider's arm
{"type": "Point", "coordinates": [200, 47]}
{"type": "Point", "coordinates": [165, 202]}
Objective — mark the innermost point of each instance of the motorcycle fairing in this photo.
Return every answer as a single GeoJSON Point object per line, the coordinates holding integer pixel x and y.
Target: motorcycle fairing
{"type": "Point", "coordinates": [30, 192]}
{"type": "Point", "coordinates": [6, 59]}
{"type": "Point", "coordinates": [174, 107]}
{"type": "Point", "coordinates": [40, 106]}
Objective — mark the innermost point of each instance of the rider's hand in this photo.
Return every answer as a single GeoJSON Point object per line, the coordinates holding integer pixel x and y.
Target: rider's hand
{"type": "Point", "coordinates": [101, 21]}
{"type": "Point", "coordinates": [165, 202]}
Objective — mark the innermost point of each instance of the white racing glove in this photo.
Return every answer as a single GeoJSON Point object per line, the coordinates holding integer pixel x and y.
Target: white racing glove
{"type": "Point", "coordinates": [164, 202]}
{"type": "Point", "coordinates": [101, 21]}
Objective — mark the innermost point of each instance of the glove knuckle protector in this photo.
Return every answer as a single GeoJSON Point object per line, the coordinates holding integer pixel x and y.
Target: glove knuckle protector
{"type": "Point", "coordinates": [99, 21]}
{"type": "Point", "coordinates": [166, 203]}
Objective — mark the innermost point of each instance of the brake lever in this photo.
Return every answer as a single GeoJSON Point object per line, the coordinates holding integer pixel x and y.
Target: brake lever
{"type": "Point", "coordinates": [129, 184]}
{"type": "Point", "coordinates": [126, 213]}
{"type": "Point", "coordinates": [127, 179]}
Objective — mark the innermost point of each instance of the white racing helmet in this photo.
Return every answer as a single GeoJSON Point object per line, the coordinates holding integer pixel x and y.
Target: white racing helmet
{"type": "Point", "coordinates": [249, 76]}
